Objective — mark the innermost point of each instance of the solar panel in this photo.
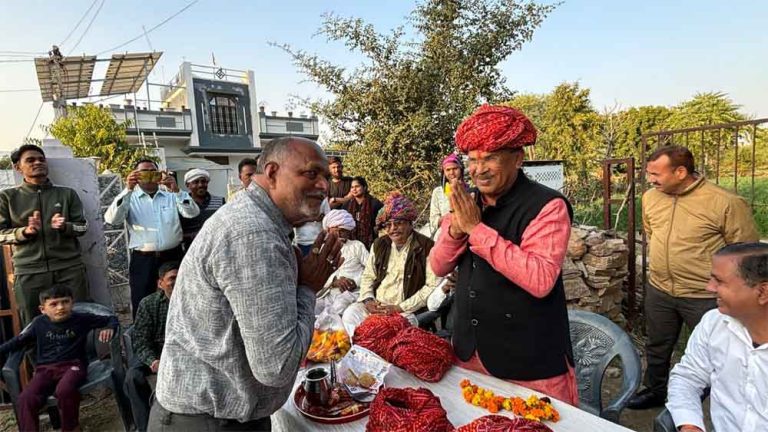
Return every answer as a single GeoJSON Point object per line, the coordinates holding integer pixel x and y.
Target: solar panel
{"type": "Point", "coordinates": [70, 79]}
{"type": "Point", "coordinates": [126, 72]}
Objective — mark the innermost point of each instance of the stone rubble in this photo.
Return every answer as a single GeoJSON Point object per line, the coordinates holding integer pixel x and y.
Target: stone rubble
{"type": "Point", "coordinates": [595, 272]}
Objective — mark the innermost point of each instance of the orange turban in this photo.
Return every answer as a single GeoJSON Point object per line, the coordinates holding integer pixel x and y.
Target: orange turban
{"type": "Point", "coordinates": [493, 127]}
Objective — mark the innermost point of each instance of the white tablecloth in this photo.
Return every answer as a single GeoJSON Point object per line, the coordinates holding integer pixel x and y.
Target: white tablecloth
{"type": "Point", "coordinates": [572, 419]}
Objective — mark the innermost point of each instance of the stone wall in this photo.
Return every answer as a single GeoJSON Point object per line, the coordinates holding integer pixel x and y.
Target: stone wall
{"type": "Point", "coordinates": [595, 272]}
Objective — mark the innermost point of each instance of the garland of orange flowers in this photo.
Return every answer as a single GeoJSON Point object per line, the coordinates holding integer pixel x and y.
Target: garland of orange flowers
{"type": "Point", "coordinates": [533, 408]}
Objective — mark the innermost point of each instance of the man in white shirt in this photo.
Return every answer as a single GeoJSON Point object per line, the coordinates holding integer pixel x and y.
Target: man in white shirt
{"type": "Point", "coordinates": [728, 350]}
{"type": "Point", "coordinates": [154, 228]}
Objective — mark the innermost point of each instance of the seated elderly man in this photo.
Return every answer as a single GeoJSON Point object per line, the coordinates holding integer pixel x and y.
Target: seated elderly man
{"type": "Point", "coordinates": [728, 350]}
{"type": "Point", "coordinates": [342, 286]}
{"type": "Point", "coordinates": [397, 278]}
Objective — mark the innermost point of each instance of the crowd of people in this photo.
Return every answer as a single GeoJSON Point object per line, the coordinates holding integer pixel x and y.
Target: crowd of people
{"type": "Point", "coordinates": [225, 290]}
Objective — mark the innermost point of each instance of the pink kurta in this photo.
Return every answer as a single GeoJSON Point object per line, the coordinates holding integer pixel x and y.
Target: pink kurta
{"type": "Point", "coordinates": [534, 265]}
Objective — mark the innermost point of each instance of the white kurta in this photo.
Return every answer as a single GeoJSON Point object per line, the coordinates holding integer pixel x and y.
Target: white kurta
{"type": "Point", "coordinates": [439, 206]}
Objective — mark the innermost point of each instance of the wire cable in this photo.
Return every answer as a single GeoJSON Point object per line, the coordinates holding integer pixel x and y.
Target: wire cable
{"type": "Point", "coordinates": [35, 120]}
{"type": "Point", "coordinates": [78, 23]}
{"type": "Point", "coordinates": [23, 52]}
{"type": "Point", "coordinates": [143, 34]}
{"type": "Point", "coordinates": [17, 90]}
{"type": "Point", "coordinates": [93, 18]}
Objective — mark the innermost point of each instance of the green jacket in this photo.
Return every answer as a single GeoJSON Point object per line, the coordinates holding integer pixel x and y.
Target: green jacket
{"type": "Point", "coordinates": [49, 249]}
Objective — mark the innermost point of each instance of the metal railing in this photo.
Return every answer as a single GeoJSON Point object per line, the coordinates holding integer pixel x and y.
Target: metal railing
{"type": "Point", "coordinates": [725, 153]}
{"type": "Point", "coordinates": [157, 121]}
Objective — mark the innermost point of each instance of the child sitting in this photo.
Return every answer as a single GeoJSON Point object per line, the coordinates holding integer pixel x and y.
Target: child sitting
{"type": "Point", "coordinates": [60, 338]}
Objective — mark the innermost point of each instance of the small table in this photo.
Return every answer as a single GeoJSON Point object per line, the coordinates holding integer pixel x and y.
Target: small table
{"type": "Point", "coordinates": [572, 419]}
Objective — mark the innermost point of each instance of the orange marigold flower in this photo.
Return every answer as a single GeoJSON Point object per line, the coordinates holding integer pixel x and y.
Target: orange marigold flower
{"type": "Point", "coordinates": [532, 408]}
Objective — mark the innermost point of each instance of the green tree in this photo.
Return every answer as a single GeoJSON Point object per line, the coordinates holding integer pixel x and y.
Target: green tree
{"type": "Point", "coordinates": [397, 112]}
{"type": "Point", "coordinates": [704, 109]}
{"type": "Point", "coordinates": [567, 130]}
{"type": "Point", "coordinates": [91, 131]}
{"type": "Point", "coordinates": [630, 126]}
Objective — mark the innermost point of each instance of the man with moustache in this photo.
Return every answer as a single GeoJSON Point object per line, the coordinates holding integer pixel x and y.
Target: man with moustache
{"type": "Point", "coordinates": [42, 222]}
{"type": "Point", "coordinates": [245, 170]}
{"type": "Point", "coordinates": [687, 219]}
{"type": "Point", "coordinates": [396, 278]}
{"type": "Point", "coordinates": [509, 242]}
{"type": "Point", "coordinates": [152, 216]}
{"type": "Point", "coordinates": [197, 181]}
{"type": "Point", "coordinates": [242, 314]}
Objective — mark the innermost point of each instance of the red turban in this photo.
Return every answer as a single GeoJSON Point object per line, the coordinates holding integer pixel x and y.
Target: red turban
{"type": "Point", "coordinates": [407, 410]}
{"type": "Point", "coordinates": [421, 353]}
{"type": "Point", "coordinates": [493, 127]}
{"type": "Point", "coordinates": [377, 332]}
{"type": "Point", "coordinates": [497, 423]}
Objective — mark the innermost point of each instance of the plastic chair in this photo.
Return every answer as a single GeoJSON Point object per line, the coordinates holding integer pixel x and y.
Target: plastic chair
{"type": "Point", "coordinates": [664, 423]}
{"type": "Point", "coordinates": [596, 342]}
{"type": "Point", "coordinates": [101, 373]}
{"type": "Point", "coordinates": [128, 344]}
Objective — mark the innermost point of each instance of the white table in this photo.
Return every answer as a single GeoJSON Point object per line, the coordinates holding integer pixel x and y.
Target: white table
{"type": "Point", "coordinates": [288, 419]}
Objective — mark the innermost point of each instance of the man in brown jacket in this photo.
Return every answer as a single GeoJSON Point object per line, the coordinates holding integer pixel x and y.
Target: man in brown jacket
{"type": "Point", "coordinates": [686, 219]}
{"type": "Point", "coordinates": [397, 277]}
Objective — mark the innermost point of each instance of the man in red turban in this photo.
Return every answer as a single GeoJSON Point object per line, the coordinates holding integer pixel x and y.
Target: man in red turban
{"type": "Point", "coordinates": [508, 239]}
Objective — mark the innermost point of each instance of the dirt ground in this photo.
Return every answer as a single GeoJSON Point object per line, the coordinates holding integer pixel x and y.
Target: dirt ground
{"type": "Point", "coordinates": [96, 415]}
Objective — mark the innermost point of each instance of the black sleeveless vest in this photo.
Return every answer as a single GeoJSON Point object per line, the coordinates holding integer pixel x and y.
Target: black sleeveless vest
{"type": "Point", "coordinates": [516, 335]}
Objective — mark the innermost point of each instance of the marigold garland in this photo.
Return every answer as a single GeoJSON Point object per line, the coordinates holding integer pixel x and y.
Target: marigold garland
{"type": "Point", "coordinates": [533, 408]}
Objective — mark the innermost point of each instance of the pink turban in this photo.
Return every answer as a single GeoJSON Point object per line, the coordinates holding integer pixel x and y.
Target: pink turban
{"type": "Point", "coordinates": [452, 158]}
{"type": "Point", "coordinates": [491, 128]}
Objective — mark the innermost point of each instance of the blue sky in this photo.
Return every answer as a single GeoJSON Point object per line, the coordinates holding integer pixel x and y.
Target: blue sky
{"type": "Point", "coordinates": [628, 53]}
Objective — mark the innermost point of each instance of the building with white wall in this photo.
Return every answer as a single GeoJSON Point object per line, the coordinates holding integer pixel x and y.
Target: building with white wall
{"type": "Point", "coordinates": [208, 118]}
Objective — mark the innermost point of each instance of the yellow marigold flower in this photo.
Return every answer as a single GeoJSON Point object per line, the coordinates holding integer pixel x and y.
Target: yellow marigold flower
{"type": "Point", "coordinates": [507, 404]}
